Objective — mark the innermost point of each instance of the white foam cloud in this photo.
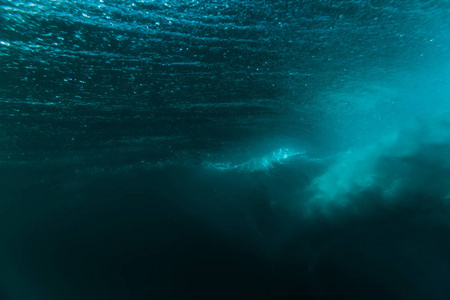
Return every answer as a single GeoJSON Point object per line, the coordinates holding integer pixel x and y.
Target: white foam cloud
{"type": "Point", "coordinates": [409, 168]}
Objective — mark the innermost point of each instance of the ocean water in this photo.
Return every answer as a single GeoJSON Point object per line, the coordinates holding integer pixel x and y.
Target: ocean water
{"type": "Point", "coordinates": [224, 149]}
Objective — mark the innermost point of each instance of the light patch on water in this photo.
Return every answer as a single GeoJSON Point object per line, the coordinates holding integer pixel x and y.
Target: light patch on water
{"type": "Point", "coordinates": [264, 163]}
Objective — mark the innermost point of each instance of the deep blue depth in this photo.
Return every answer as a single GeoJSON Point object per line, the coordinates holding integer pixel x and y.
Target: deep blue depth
{"type": "Point", "coordinates": [224, 149]}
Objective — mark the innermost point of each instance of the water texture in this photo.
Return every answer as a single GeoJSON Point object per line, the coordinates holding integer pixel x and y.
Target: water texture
{"type": "Point", "coordinates": [224, 149]}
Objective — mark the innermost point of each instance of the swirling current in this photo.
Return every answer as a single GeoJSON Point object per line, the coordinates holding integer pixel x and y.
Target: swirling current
{"type": "Point", "coordinates": [195, 149]}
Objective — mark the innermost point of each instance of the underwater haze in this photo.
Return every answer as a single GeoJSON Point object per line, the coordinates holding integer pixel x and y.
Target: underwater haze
{"type": "Point", "coordinates": [195, 149]}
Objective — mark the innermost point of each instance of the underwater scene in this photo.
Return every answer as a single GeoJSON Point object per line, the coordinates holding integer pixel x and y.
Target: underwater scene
{"type": "Point", "coordinates": [204, 149]}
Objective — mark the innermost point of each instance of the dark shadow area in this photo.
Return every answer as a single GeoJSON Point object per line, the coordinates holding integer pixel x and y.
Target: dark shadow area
{"type": "Point", "coordinates": [130, 236]}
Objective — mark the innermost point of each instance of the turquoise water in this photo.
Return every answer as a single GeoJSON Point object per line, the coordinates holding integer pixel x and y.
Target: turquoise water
{"type": "Point", "coordinates": [224, 150]}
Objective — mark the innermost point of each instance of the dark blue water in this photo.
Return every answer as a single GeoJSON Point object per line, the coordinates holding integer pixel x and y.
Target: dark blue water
{"type": "Point", "coordinates": [224, 149]}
